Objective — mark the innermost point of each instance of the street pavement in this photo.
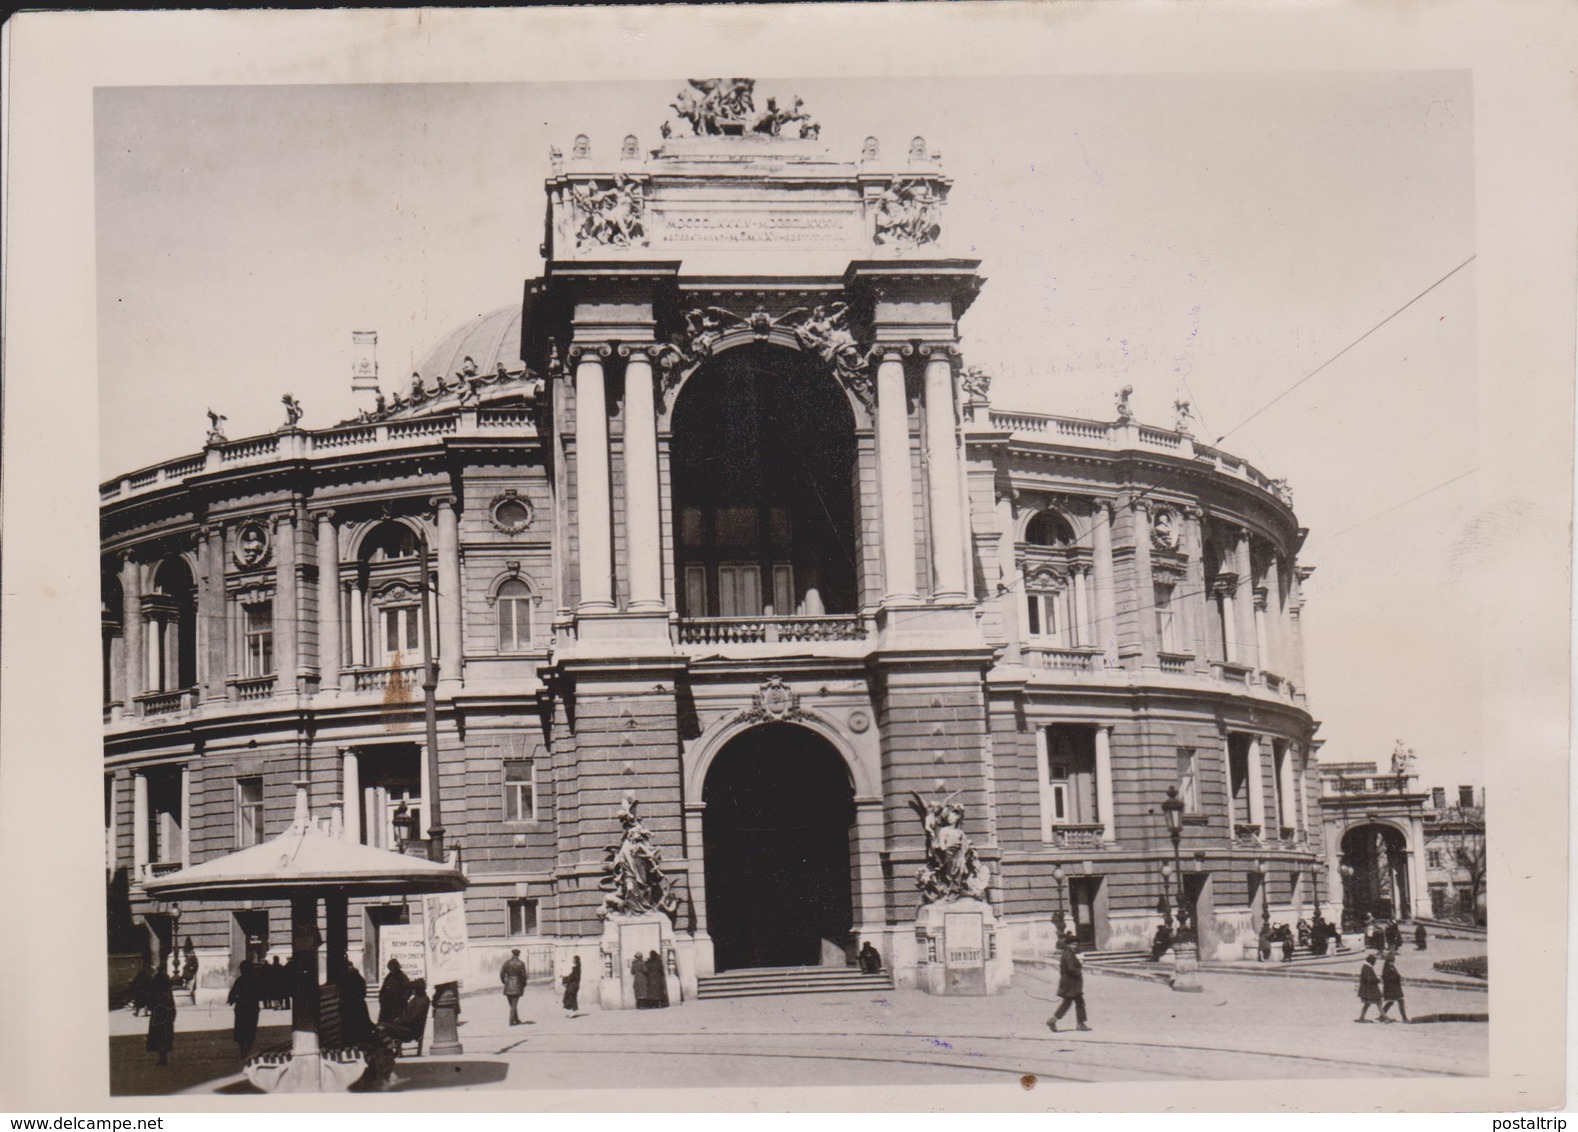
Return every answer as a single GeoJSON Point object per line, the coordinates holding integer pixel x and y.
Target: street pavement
{"type": "Point", "coordinates": [1243, 1026]}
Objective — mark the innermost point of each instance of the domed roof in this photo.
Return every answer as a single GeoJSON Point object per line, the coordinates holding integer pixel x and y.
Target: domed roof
{"type": "Point", "coordinates": [488, 340]}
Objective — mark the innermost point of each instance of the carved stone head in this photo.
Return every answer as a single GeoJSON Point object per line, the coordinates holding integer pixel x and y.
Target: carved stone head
{"type": "Point", "coordinates": [582, 148]}
{"type": "Point", "coordinates": [631, 150]}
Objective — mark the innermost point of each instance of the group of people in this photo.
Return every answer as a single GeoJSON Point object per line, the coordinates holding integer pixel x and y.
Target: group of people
{"type": "Point", "coordinates": [1384, 990]}
{"type": "Point", "coordinates": [1385, 935]}
{"type": "Point", "coordinates": [513, 976]}
{"type": "Point", "coordinates": [153, 995]}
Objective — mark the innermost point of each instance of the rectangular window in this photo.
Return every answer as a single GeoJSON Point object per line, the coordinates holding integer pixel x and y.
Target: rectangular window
{"type": "Point", "coordinates": [1435, 858]}
{"type": "Point", "coordinates": [1465, 797]}
{"type": "Point", "coordinates": [739, 589]}
{"type": "Point", "coordinates": [523, 918]}
{"type": "Point", "coordinates": [520, 790]}
{"type": "Point", "coordinates": [690, 528]}
{"type": "Point", "coordinates": [259, 634]}
{"type": "Point", "coordinates": [1438, 797]}
{"type": "Point", "coordinates": [779, 528]}
{"type": "Point", "coordinates": [249, 812]}
{"type": "Point", "coordinates": [783, 589]}
{"type": "Point", "coordinates": [1166, 634]}
{"type": "Point", "coordinates": [1033, 611]}
{"type": "Point", "coordinates": [695, 591]}
{"type": "Point", "coordinates": [738, 528]}
{"type": "Point", "coordinates": [402, 635]}
{"type": "Point", "coordinates": [1188, 792]}
{"type": "Point", "coordinates": [1057, 792]}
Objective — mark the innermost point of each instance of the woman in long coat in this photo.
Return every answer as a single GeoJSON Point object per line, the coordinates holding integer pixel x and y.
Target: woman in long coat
{"type": "Point", "coordinates": [640, 984]}
{"type": "Point", "coordinates": [161, 1016]}
{"type": "Point", "coordinates": [1369, 987]}
{"type": "Point", "coordinates": [572, 987]}
{"type": "Point", "coordinates": [657, 980]}
{"type": "Point", "coordinates": [244, 997]}
{"type": "Point", "coordinates": [355, 1023]}
{"type": "Point", "coordinates": [1391, 988]}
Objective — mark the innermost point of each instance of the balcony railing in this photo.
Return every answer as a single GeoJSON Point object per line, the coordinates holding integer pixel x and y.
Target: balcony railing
{"type": "Point", "coordinates": [1061, 659]}
{"type": "Point", "coordinates": [254, 687]}
{"type": "Point", "coordinates": [155, 869]}
{"type": "Point", "coordinates": [1173, 662]}
{"type": "Point", "coordinates": [1244, 831]}
{"type": "Point", "coordinates": [1230, 672]}
{"type": "Point", "coordinates": [377, 679]}
{"type": "Point", "coordinates": [1078, 836]}
{"type": "Point", "coordinates": [769, 630]}
{"type": "Point", "coordinates": [166, 703]}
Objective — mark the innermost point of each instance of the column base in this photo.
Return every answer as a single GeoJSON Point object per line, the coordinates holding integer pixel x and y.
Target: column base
{"type": "Point", "coordinates": [630, 632]}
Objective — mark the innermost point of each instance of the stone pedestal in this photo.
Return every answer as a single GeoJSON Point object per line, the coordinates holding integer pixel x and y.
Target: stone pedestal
{"type": "Point", "coordinates": [625, 937]}
{"type": "Point", "coordinates": [309, 1072]}
{"type": "Point", "coordinates": [957, 950]}
{"type": "Point", "coordinates": [1186, 968]}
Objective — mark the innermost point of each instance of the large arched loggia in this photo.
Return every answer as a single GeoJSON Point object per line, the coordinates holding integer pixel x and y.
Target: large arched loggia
{"type": "Point", "coordinates": [777, 830]}
{"type": "Point", "coordinates": [1375, 876]}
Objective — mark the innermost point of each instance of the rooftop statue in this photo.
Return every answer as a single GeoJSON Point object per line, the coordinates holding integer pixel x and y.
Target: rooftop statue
{"type": "Point", "coordinates": [727, 107]}
{"type": "Point", "coordinates": [1183, 416]}
{"type": "Point", "coordinates": [1403, 758]}
{"type": "Point", "coordinates": [1125, 412]}
{"type": "Point", "coordinates": [633, 879]}
{"type": "Point", "coordinates": [976, 382]}
{"type": "Point", "coordinates": [216, 429]}
{"type": "Point", "coordinates": [952, 869]}
{"type": "Point", "coordinates": [292, 410]}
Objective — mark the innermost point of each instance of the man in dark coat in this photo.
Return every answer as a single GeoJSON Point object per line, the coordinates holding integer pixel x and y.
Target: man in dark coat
{"type": "Point", "coordinates": [161, 1016]}
{"type": "Point", "coordinates": [1161, 942]}
{"type": "Point", "coordinates": [1421, 937]}
{"type": "Point", "coordinates": [641, 982]}
{"type": "Point", "coordinates": [657, 980]}
{"type": "Point", "coordinates": [1070, 985]}
{"type": "Point", "coordinates": [408, 1026]}
{"type": "Point", "coordinates": [1369, 987]}
{"type": "Point", "coordinates": [1391, 987]}
{"type": "Point", "coordinates": [1394, 936]}
{"type": "Point", "coordinates": [572, 987]}
{"type": "Point", "coordinates": [1264, 940]}
{"type": "Point", "coordinates": [393, 994]}
{"type": "Point", "coordinates": [140, 984]}
{"type": "Point", "coordinates": [244, 997]}
{"type": "Point", "coordinates": [513, 976]}
{"type": "Point", "coordinates": [356, 1025]}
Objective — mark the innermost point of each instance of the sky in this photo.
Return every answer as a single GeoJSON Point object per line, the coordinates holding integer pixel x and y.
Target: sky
{"type": "Point", "coordinates": [1216, 237]}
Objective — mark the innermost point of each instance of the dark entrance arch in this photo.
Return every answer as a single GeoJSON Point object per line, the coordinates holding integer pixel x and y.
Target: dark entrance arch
{"type": "Point", "coordinates": [776, 833]}
{"type": "Point", "coordinates": [1374, 874]}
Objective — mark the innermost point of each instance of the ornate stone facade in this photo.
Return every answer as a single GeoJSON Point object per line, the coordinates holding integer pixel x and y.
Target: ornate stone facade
{"type": "Point", "coordinates": [714, 518]}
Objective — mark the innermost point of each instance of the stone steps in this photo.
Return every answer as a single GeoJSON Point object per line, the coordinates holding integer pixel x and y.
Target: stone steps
{"type": "Point", "coordinates": [758, 981]}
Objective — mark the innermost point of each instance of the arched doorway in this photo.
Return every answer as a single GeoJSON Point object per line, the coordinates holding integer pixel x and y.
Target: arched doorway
{"type": "Point", "coordinates": [776, 833]}
{"type": "Point", "coordinates": [1374, 874]}
{"type": "Point", "coordinates": [763, 461]}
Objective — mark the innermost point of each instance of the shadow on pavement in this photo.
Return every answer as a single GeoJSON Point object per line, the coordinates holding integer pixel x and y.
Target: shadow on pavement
{"type": "Point", "coordinates": [1418, 1018]}
{"type": "Point", "coordinates": [199, 1056]}
{"type": "Point", "coordinates": [413, 1074]}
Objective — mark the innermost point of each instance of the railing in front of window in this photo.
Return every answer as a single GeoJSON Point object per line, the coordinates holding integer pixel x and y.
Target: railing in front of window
{"type": "Point", "coordinates": [377, 679]}
{"type": "Point", "coordinates": [254, 687]}
{"type": "Point", "coordinates": [769, 630]}
{"type": "Point", "coordinates": [165, 703]}
{"type": "Point", "coordinates": [1230, 672]}
{"type": "Point", "coordinates": [1061, 659]}
{"type": "Point", "coordinates": [1084, 836]}
{"type": "Point", "coordinates": [155, 869]}
{"type": "Point", "coordinates": [1244, 831]}
{"type": "Point", "coordinates": [1174, 662]}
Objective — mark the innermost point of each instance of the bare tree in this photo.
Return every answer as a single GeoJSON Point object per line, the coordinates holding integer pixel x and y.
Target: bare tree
{"type": "Point", "coordinates": [1460, 832]}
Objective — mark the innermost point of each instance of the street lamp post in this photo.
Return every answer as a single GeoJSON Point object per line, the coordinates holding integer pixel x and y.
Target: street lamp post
{"type": "Point", "coordinates": [1186, 955]}
{"type": "Point", "coordinates": [1057, 890]}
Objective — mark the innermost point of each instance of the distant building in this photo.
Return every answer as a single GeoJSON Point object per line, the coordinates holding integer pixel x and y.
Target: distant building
{"type": "Point", "coordinates": [1455, 854]}
{"type": "Point", "coordinates": [1375, 834]}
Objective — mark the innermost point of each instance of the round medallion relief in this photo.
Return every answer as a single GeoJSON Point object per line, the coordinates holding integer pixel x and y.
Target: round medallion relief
{"type": "Point", "coordinates": [251, 544]}
{"type": "Point", "coordinates": [510, 513]}
{"type": "Point", "coordinates": [859, 721]}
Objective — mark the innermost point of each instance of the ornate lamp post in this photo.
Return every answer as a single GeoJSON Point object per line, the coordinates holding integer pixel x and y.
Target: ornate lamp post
{"type": "Point", "coordinates": [1265, 890]}
{"type": "Point", "coordinates": [1185, 953]}
{"type": "Point", "coordinates": [1057, 881]}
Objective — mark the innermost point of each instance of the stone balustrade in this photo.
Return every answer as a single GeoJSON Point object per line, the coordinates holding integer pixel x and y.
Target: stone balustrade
{"type": "Point", "coordinates": [1061, 659]}
{"type": "Point", "coordinates": [254, 687]}
{"type": "Point", "coordinates": [377, 679]}
{"type": "Point", "coordinates": [769, 630]}
{"type": "Point", "coordinates": [1082, 836]}
{"type": "Point", "coordinates": [166, 703]}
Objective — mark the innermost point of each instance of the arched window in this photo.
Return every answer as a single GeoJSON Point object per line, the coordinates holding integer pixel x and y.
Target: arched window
{"type": "Point", "coordinates": [513, 603]}
{"type": "Point", "coordinates": [171, 613]}
{"type": "Point", "coordinates": [111, 617]}
{"type": "Point", "coordinates": [1048, 528]}
{"type": "Point", "coordinates": [1055, 612]}
{"type": "Point", "coordinates": [385, 602]}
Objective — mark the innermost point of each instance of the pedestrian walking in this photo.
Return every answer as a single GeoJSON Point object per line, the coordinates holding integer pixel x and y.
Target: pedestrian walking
{"type": "Point", "coordinates": [1369, 987]}
{"type": "Point", "coordinates": [513, 976]}
{"type": "Point", "coordinates": [138, 991]}
{"type": "Point", "coordinates": [161, 1016]}
{"type": "Point", "coordinates": [1394, 936]}
{"type": "Point", "coordinates": [572, 987]}
{"type": "Point", "coordinates": [1391, 988]}
{"type": "Point", "coordinates": [244, 997]}
{"type": "Point", "coordinates": [657, 980]}
{"type": "Point", "coordinates": [393, 994]}
{"type": "Point", "coordinates": [1070, 985]}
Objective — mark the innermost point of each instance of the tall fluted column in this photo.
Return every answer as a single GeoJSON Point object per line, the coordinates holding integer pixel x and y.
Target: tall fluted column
{"type": "Point", "coordinates": [351, 793]}
{"type": "Point", "coordinates": [1106, 600]}
{"type": "Point", "coordinates": [132, 628]}
{"type": "Point", "coordinates": [186, 816]}
{"type": "Point", "coordinates": [1287, 812]}
{"type": "Point", "coordinates": [942, 474]}
{"type": "Point", "coordinates": [1144, 583]}
{"type": "Point", "coordinates": [448, 598]}
{"type": "Point", "coordinates": [358, 606]}
{"type": "Point", "coordinates": [898, 494]}
{"type": "Point", "coordinates": [1244, 600]}
{"type": "Point", "coordinates": [643, 515]}
{"type": "Point", "coordinates": [1109, 820]}
{"type": "Point", "coordinates": [139, 824]}
{"type": "Point", "coordinates": [424, 787]}
{"type": "Point", "coordinates": [591, 479]}
{"type": "Point", "coordinates": [286, 621]}
{"type": "Point", "coordinates": [1257, 786]}
{"type": "Point", "coordinates": [1081, 619]}
{"type": "Point", "coordinates": [1010, 584]}
{"type": "Point", "coordinates": [1262, 641]}
{"type": "Point", "coordinates": [1227, 775]}
{"type": "Point", "coordinates": [328, 604]}
{"type": "Point", "coordinates": [1196, 597]}
{"type": "Point", "coordinates": [1224, 600]}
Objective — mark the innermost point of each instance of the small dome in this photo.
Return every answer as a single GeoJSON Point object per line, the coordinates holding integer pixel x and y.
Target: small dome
{"type": "Point", "coordinates": [493, 338]}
